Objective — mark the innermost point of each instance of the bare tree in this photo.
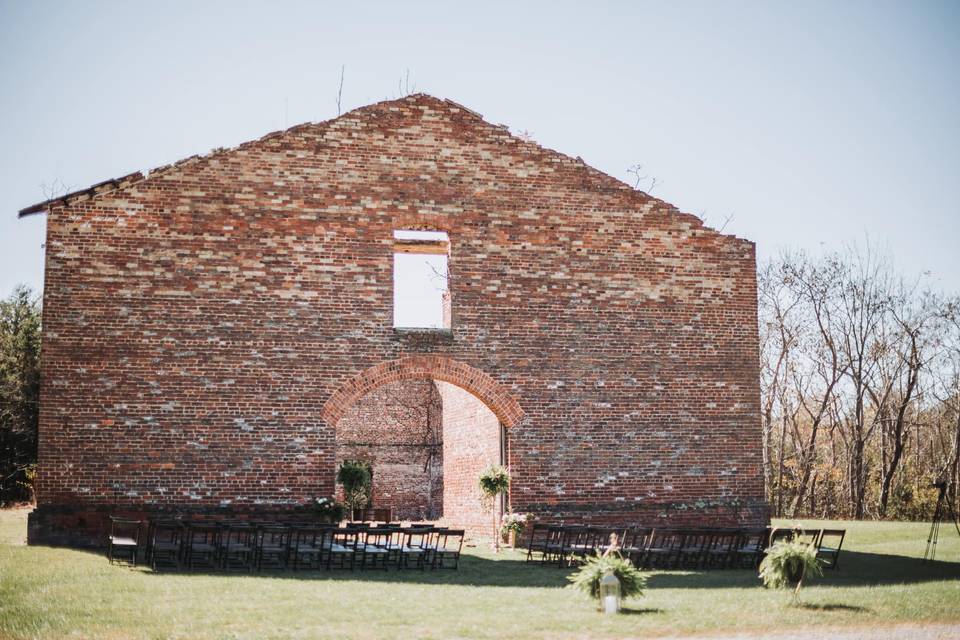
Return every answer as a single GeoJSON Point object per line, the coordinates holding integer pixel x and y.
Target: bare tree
{"type": "Point", "coordinates": [343, 68]}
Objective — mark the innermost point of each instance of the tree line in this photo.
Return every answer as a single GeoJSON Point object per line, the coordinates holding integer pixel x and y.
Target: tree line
{"type": "Point", "coordinates": [19, 394]}
{"type": "Point", "coordinates": [860, 387]}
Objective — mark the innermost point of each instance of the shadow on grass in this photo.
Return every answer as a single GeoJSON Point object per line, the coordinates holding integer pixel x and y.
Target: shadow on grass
{"type": "Point", "coordinates": [639, 612]}
{"type": "Point", "coordinates": [855, 569]}
{"type": "Point", "coordinates": [511, 570]}
{"type": "Point", "coordinates": [833, 607]}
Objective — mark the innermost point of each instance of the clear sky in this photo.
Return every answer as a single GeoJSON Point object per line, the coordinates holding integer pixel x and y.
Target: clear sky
{"type": "Point", "coordinates": [813, 123]}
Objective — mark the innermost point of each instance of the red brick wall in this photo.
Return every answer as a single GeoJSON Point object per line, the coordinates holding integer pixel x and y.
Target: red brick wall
{"type": "Point", "coordinates": [196, 322]}
{"type": "Point", "coordinates": [397, 428]}
{"type": "Point", "coordinates": [471, 442]}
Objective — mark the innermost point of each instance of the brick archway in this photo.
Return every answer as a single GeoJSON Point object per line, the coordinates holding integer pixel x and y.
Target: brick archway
{"type": "Point", "coordinates": [488, 390]}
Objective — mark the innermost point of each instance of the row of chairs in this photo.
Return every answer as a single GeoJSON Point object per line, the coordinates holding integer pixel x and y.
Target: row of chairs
{"type": "Point", "coordinates": [671, 548]}
{"type": "Point", "coordinates": [246, 546]}
{"type": "Point", "coordinates": [828, 542]}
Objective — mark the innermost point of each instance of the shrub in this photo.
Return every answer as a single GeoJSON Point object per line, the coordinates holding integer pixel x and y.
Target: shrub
{"type": "Point", "coordinates": [587, 577]}
{"type": "Point", "coordinates": [356, 476]}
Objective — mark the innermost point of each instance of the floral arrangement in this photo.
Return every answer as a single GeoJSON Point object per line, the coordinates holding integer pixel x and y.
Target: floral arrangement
{"type": "Point", "coordinates": [329, 508]}
{"type": "Point", "coordinates": [514, 522]}
{"type": "Point", "coordinates": [494, 480]}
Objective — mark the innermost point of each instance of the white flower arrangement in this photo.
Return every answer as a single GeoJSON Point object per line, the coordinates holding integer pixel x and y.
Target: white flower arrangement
{"type": "Point", "coordinates": [514, 522]}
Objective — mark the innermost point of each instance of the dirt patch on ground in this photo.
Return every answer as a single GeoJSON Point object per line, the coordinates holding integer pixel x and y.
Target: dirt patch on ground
{"type": "Point", "coordinates": [900, 632]}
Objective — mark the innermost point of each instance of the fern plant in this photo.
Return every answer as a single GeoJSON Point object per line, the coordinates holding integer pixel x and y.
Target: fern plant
{"type": "Point", "coordinates": [587, 577]}
{"type": "Point", "coordinates": [787, 563]}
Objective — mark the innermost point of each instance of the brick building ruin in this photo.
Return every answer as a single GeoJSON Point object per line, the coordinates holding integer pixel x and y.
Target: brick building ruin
{"type": "Point", "coordinates": [220, 332]}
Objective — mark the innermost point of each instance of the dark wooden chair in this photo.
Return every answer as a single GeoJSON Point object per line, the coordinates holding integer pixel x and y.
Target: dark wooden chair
{"type": "Point", "coordinates": [238, 546]}
{"type": "Point", "coordinates": [344, 545]}
{"type": "Point", "coordinates": [202, 548]}
{"type": "Point", "coordinates": [449, 544]}
{"type": "Point", "coordinates": [553, 545]}
{"type": "Point", "coordinates": [750, 547]}
{"type": "Point", "coordinates": [720, 550]}
{"type": "Point", "coordinates": [165, 544]}
{"type": "Point", "coordinates": [124, 540]}
{"type": "Point", "coordinates": [601, 537]}
{"type": "Point", "coordinates": [808, 536]}
{"type": "Point", "coordinates": [416, 547]}
{"type": "Point", "coordinates": [828, 546]}
{"type": "Point", "coordinates": [634, 545]}
{"type": "Point", "coordinates": [692, 549]}
{"type": "Point", "coordinates": [308, 547]}
{"type": "Point", "coordinates": [583, 542]}
{"type": "Point", "coordinates": [377, 550]}
{"type": "Point", "coordinates": [663, 549]}
{"type": "Point", "coordinates": [537, 540]}
{"type": "Point", "coordinates": [273, 547]}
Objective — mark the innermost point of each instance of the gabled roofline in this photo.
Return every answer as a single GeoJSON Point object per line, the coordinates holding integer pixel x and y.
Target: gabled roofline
{"type": "Point", "coordinates": [123, 182]}
{"type": "Point", "coordinates": [94, 190]}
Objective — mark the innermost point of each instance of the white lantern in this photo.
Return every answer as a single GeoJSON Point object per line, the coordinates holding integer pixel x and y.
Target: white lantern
{"type": "Point", "coordinates": [609, 593]}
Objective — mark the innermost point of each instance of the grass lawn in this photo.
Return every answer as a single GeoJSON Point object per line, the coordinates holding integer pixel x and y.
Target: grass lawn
{"type": "Point", "coordinates": [55, 593]}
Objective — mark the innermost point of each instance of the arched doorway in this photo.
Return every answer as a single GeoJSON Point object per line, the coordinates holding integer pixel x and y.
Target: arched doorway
{"type": "Point", "coordinates": [427, 425]}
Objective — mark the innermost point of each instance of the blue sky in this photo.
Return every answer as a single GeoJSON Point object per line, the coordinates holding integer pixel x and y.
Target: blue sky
{"type": "Point", "coordinates": [813, 123]}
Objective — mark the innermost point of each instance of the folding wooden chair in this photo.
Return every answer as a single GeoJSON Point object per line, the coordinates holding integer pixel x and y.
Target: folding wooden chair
{"type": "Point", "coordinates": [828, 547]}
{"type": "Point", "coordinates": [344, 545]}
{"type": "Point", "coordinates": [537, 540]}
{"type": "Point", "coordinates": [165, 543]}
{"type": "Point", "coordinates": [553, 548]}
{"type": "Point", "coordinates": [377, 550]}
{"type": "Point", "coordinates": [663, 549]}
{"type": "Point", "coordinates": [449, 543]}
{"type": "Point", "coordinates": [809, 536]}
{"type": "Point", "coordinates": [634, 545]}
{"type": "Point", "coordinates": [720, 549]}
{"type": "Point", "coordinates": [583, 542]}
{"type": "Point", "coordinates": [124, 540]}
{"type": "Point", "coordinates": [273, 547]}
{"type": "Point", "coordinates": [307, 547]}
{"type": "Point", "coordinates": [238, 544]}
{"type": "Point", "coordinates": [750, 547]}
{"type": "Point", "coordinates": [416, 547]}
{"type": "Point", "coordinates": [202, 545]}
{"type": "Point", "coordinates": [692, 548]}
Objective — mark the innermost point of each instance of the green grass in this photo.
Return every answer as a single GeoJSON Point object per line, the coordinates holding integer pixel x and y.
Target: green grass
{"type": "Point", "coordinates": [54, 593]}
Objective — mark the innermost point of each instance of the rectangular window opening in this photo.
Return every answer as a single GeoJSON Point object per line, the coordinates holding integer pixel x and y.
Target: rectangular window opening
{"type": "Point", "coordinates": [421, 280]}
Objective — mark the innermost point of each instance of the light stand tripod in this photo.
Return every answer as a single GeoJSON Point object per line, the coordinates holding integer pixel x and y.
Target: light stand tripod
{"type": "Point", "coordinates": [943, 505]}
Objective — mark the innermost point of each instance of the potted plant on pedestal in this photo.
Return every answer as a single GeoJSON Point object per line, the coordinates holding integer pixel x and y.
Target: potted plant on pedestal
{"type": "Point", "coordinates": [494, 481]}
{"type": "Point", "coordinates": [356, 477]}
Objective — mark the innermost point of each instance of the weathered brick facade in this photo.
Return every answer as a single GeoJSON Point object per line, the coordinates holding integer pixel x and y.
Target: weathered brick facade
{"type": "Point", "coordinates": [207, 326]}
